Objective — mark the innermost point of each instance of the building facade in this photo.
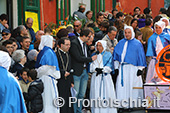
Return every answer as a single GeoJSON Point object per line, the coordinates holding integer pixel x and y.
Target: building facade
{"type": "Point", "coordinates": [45, 11]}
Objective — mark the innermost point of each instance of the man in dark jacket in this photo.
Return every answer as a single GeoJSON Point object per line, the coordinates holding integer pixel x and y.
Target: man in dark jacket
{"type": "Point", "coordinates": [79, 60]}
{"type": "Point", "coordinates": [66, 80]}
{"type": "Point", "coordinates": [31, 32]}
{"type": "Point", "coordinates": [33, 97]}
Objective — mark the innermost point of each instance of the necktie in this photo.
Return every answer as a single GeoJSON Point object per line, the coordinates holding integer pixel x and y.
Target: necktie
{"type": "Point", "coordinates": [84, 46]}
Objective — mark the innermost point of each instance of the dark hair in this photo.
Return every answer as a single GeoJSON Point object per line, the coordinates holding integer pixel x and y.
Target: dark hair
{"type": "Point", "coordinates": [162, 10]}
{"type": "Point", "coordinates": [2, 48]}
{"type": "Point", "coordinates": [147, 10]}
{"type": "Point", "coordinates": [119, 14]}
{"type": "Point", "coordinates": [156, 19]}
{"type": "Point", "coordinates": [100, 14]}
{"type": "Point", "coordinates": [85, 32]}
{"type": "Point", "coordinates": [3, 17]}
{"type": "Point", "coordinates": [70, 29]}
{"type": "Point", "coordinates": [168, 11]}
{"type": "Point", "coordinates": [88, 12]}
{"type": "Point", "coordinates": [24, 69]}
{"type": "Point", "coordinates": [142, 16]}
{"type": "Point", "coordinates": [112, 28]}
{"type": "Point", "coordinates": [33, 74]}
{"type": "Point", "coordinates": [138, 33]}
{"type": "Point", "coordinates": [92, 25]}
{"type": "Point", "coordinates": [136, 8]}
{"type": "Point", "coordinates": [23, 38]}
{"type": "Point", "coordinates": [148, 22]}
{"type": "Point", "coordinates": [119, 25]}
{"type": "Point", "coordinates": [13, 39]}
{"type": "Point", "coordinates": [62, 33]}
{"type": "Point", "coordinates": [47, 30]}
{"type": "Point", "coordinates": [105, 24]}
{"type": "Point", "coordinates": [7, 42]}
{"type": "Point", "coordinates": [114, 9]}
{"type": "Point", "coordinates": [133, 20]}
{"type": "Point", "coordinates": [62, 41]}
{"type": "Point", "coordinates": [15, 32]}
{"type": "Point", "coordinates": [148, 16]}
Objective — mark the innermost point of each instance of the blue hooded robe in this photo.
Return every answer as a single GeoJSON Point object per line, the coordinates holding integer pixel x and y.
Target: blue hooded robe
{"type": "Point", "coordinates": [134, 54]}
{"type": "Point", "coordinates": [47, 57]}
{"type": "Point", "coordinates": [151, 49]}
{"type": "Point", "coordinates": [11, 98]}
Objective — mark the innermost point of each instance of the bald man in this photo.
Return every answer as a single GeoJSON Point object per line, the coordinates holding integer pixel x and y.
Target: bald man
{"type": "Point", "coordinates": [77, 27]}
{"type": "Point", "coordinates": [79, 14]}
{"type": "Point", "coordinates": [31, 32]}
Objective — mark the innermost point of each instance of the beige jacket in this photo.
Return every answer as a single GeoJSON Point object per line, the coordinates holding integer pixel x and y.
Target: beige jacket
{"type": "Point", "coordinates": [24, 86]}
{"type": "Point", "coordinates": [109, 43]}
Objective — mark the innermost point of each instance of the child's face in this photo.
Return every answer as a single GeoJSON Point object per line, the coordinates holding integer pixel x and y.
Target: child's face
{"type": "Point", "coordinates": [139, 37]}
{"type": "Point", "coordinates": [4, 22]}
{"type": "Point", "coordinates": [24, 76]}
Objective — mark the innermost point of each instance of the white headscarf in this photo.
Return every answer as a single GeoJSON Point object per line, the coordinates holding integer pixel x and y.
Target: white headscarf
{"type": "Point", "coordinates": [104, 44]}
{"type": "Point", "coordinates": [5, 60]}
{"type": "Point", "coordinates": [46, 40]}
{"type": "Point", "coordinates": [161, 24]}
{"type": "Point", "coordinates": [131, 28]}
{"type": "Point", "coordinates": [164, 18]}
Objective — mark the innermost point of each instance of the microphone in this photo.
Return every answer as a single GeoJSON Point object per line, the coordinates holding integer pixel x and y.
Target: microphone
{"type": "Point", "coordinates": [97, 52]}
{"type": "Point", "coordinates": [71, 71]}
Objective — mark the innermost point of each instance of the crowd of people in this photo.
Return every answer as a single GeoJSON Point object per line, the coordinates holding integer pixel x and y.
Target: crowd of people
{"type": "Point", "coordinates": [109, 58]}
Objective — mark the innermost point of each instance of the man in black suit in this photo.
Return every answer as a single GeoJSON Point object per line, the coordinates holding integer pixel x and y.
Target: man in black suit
{"type": "Point", "coordinates": [66, 80]}
{"type": "Point", "coordinates": [80, 59]}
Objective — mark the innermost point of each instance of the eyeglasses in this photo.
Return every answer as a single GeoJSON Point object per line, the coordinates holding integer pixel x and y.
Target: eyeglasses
{"type": "Point", "coordinates": [9, 47]}
{"type": "Point", "coordinates": [89, 36]}
{"type": "Point", "coordinates": [76, 25]}
{"type": "Point", "coordinates": [5, 34]}
{"type": "Point", "coordinates": [30, 23]}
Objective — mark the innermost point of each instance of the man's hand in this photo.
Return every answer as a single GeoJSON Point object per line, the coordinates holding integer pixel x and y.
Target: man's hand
{"type": "Point", "coordinates": [72, 85]}
{"type": "Point", "coordinates": [92, 48]}
{"type": "Point", "coordinates": [66, 74]}
{"type": "Point", "coordinates": [112, 48]}
{"type": "Point", "coordinates": [7, 26]}
{"type": "Point", "coordinates": [94, 57]}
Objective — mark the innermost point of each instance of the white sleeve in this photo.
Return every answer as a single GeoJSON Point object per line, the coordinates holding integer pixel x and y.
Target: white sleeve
{"type": "Point", "coordinates": [107, 69]}
{"type": "Point", "coordinates": [140, 67]}
{"type": "Point", "coordinates": [116, 64]}
{"type": "Point", "coordinates": [92, 67]}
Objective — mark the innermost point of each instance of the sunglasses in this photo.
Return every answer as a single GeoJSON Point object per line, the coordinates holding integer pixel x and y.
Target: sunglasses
{"type": "Point", "coordinates": [76, 25]}
{"type": "Point", "coordinates": [5, 34]}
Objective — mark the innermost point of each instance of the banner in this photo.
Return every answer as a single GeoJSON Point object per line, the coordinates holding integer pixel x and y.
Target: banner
{"type": "Point", "coordinates": [34, 16]}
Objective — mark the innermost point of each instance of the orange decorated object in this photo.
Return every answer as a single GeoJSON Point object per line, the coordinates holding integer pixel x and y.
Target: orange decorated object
{"type": "Point", "coordinates": [163, 64]}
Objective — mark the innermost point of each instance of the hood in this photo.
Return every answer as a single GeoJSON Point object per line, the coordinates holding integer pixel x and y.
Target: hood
{"type": "Point", "coordinates": [46, 70]}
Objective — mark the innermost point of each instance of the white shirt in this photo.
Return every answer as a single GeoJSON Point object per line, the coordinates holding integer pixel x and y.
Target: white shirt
{"type": "Point", "coordinates": [81, 42]}
{"type": "Point", "coordinates": [62, 51]}
{"type": "Point", "coordinates": [85, 52]}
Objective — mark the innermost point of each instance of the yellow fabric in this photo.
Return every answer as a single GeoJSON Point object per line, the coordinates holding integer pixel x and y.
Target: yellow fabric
{"type": "Point", "coordinates": [147, 32]}
{"type": "Point", "coordinates": [24, 86]}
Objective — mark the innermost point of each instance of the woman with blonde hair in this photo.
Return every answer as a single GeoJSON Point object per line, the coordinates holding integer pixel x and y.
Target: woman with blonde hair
{"type": "Point", "coordinates": [128, 20]}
